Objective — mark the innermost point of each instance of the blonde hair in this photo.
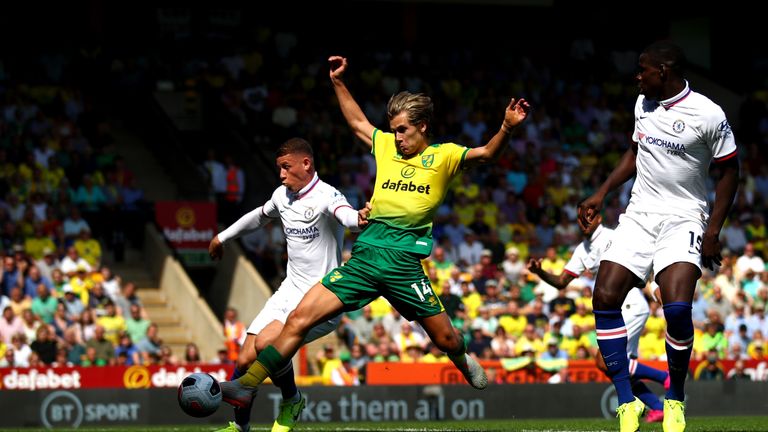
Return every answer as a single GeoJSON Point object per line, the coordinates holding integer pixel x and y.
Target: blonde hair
{"type": "Point", "coordinates": [417, 106]}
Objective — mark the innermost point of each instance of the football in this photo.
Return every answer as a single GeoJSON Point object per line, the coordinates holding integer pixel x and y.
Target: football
{"type": "Point", "coordinates": [199, 395]}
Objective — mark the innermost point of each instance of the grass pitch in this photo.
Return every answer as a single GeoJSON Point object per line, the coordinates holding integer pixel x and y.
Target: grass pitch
{"type": "Point", "coordinates": [695, 424]}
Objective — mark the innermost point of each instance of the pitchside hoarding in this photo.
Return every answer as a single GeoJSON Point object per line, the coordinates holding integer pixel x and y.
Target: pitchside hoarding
{"type": "Point", "coordinates": [158, 406]}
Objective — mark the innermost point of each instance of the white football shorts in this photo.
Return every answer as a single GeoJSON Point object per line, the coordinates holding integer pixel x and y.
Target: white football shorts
{"type": "Point", "coordinates": [650, 242]}
{"type": "Point", "coordinates": [282, 303]}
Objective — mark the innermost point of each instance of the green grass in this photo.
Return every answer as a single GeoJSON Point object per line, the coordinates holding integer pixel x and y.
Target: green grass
{"type": "Point", "coordinates": [695, 424]}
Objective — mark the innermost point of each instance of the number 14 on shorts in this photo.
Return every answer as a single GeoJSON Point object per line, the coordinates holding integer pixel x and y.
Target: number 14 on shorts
{"type": "Point", "coordinates": [424, 291]}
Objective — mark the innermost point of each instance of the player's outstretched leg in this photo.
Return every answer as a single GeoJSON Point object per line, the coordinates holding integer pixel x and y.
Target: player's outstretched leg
{"type": "Point", "coordinates": [451, 341]}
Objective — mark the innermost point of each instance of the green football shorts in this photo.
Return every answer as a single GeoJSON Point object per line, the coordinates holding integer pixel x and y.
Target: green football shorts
{"type": "Point", "coordinates": [396, 275]}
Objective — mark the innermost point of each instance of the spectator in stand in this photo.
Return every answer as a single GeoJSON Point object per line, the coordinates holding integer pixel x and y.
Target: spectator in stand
{"type": "Point", "coordinates": [91, 358]}
{"type": "Point", "coordinates": [713, 370]}
{"type": "Point", "coordinates": [73, 225]}
{"type": "Point", "coordinates": [128, 297]}
{"type": "Point", "coordinates": [112, 323]}
{"type": "Point", "coordinates": [60, 322]}
{"type": "Point", "coordinates": [739, 373]}
{"type": "Point", "coordinates": [553, 351]}
{"type": "Point", "coordinates": [514, 268]}
{"type": "Point", "coordinates": [111, 283]}
{"type": "Point", "coordinates": [31, 324]}
{"type": "Point", "coordinates": [33, 280]}
{"type": "Point", "coordinates": [47, 263]}
{"type": "Point", "coordinates": [362, 326]}
{"type": "Point", "coordinates": [44, 345]}
{"type": "Point", "coordinates": [127, 348]}
{"type": "Point", "coordinates": [82, 283]}
{"type": "Point", "coordinates": [150, 344]}
{"type": "Point", "coordinates": [136, 325]}
{"type": "Point", "coordinates": [104, 349]}
{"type": "Point", "coordinates": [98, 299]}
{"type": "Point", "coordinates": [88, 248]}
{"type": "Point", "coordinates": [44, 305]}
{"type": "Point", "coordinates": [192, 354]}
{"type": "Point", "coordinates": [733, 235]}
{"type": "Point", "coordinates": [58, 281]}
{"type": "Point", "coordinates": [10, 276]}
{"type": "Point", "coordinates": [234, 333]}
{"type": "Point", "coordinates": [10, 324]}
{"type": "Point", "coordinates": [19, 301]}
{"type": "Point", "coordinates": [750, 260]}
{"type": "Point", "coordinates": [72, 263]}
{"type": "Point", "coordinates": [87, 325]}
{"type": "Point", "coordinates": [216, 174]}
{"type": "Point", "coordinates": [757, 233]}
{"type": "Point", "coordinates": [72, 303]}
{"type": "Point", "coordinates": [8, 359]}
{"type": "Point", "coordinates": [61, 359]}
{"type": "Point", "coordinates": [21, 351]}
{"type": "Point", "coordinates": [36, 245]}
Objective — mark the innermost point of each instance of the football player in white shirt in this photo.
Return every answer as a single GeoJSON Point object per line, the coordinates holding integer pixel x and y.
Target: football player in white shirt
{"type": "Point", "coordinates": [667, 229]}
{"type": "Point", "coordinates": [634, 310]}
{"type": "Point", "coordinates": [314, 215]}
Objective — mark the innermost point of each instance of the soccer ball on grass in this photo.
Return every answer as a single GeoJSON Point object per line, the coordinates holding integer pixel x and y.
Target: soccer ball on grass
{"type": "Point", "coordinates": [199, 395]}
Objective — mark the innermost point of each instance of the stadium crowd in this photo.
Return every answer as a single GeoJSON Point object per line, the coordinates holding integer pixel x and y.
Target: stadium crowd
{"type": "Point", "coordinates": [67, 198]}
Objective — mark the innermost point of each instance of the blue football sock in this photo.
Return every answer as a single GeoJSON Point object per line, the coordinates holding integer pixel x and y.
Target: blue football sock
{"type": "Point", "coordinates": [237, 373]}
{"type": "Point", "coordinates": [679, 346]}
{"type": "Point", "coordinates": [612, 340]}
{"type": "Point", "coordinates": [640, 371]}
{"type": "Point", "coordinates": [645, 394]}
{"type": "Point", "coordinates": [284, 380]}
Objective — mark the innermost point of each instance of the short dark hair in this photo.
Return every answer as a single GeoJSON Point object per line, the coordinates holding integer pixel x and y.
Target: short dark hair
{"type": "Point", "coordinates": [295, 146]}
{"type": "Point", "coordinates": [667, 53]}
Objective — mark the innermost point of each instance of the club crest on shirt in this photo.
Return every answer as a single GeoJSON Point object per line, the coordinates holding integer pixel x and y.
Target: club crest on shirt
{"type": "Point", "coordinates": [308, 213]}
{"type": "Point", "coordinates": [678, 126]}
{"type": "Point", "coordinates": [427, 160]}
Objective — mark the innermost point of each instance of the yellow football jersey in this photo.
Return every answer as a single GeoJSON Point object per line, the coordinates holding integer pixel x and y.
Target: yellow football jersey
{"type": "Point", "coordinates": [408, 192]}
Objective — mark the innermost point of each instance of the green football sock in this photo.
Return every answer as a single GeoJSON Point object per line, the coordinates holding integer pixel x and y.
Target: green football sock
{"type": "Point", "coordinates": [268, 361]}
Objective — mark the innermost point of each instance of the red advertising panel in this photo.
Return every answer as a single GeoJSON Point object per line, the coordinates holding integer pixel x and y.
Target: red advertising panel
{"type": "Point", "coordinates": [517, 371]}
{"type": "Point", "coordinates": [116, 377]}
{"type": "Point", "coordinates": [188, 226]}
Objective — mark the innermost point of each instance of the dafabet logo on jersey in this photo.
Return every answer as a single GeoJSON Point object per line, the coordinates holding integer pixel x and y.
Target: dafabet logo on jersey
{"type": "Point", "coordinates": [402, 186]}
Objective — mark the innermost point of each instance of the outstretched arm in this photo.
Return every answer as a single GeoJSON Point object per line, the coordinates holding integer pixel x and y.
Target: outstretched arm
{"type": "Point", "coordinates": [559, 282]}
{"type": "Point", "coordinates": [725, 192]}
{"type": "Point", "coordinates": [249, 222]}
{"type": "Point", "coordinates": [355, 117]}
{"type": "Point", "coordinates": [626, 168]}
{"type": "Point", "coordinates": [516, 113]}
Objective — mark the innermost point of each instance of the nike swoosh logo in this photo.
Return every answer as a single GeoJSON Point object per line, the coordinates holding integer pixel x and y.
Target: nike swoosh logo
{"type": "Point", "coordinates": [609, 355]}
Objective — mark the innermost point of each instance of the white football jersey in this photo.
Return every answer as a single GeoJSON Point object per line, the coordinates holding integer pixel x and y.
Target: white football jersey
{"type": "Point", "coordinates": [587, 256]}
{"type": "Point", "coordinates": [313, 234]}
{"type": "Point", "coordinates": [677, 139]}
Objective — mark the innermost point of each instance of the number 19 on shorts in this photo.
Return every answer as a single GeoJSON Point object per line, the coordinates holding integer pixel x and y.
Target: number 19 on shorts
{"type": "Point", "coordinates": [422, 291]}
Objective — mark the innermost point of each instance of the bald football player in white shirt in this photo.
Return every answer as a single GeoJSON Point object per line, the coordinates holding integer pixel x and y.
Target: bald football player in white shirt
{"type": "Point", "coordinates": [314, 215]}
{"type": "Point", "coordinates": [634, 310]}
{"type": "Point", "coordinates": [667, 229]}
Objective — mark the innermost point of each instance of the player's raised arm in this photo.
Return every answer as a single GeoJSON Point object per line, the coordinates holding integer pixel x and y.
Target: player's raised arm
{"type": "Point", "coordinates": [516, 113]}
{"type": "Point", "coordinates": [355, 117]}
{"type": "Point", "coordinates": [559, 282]}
